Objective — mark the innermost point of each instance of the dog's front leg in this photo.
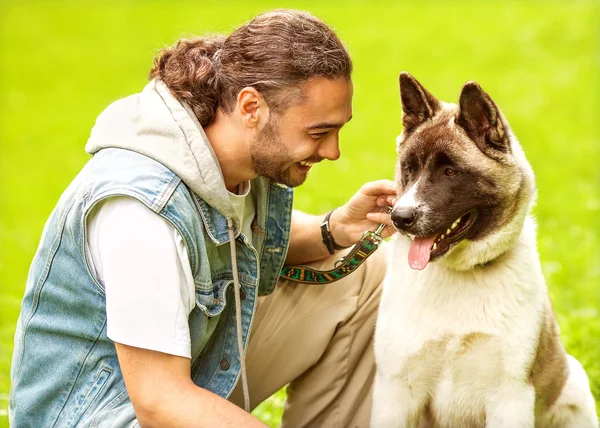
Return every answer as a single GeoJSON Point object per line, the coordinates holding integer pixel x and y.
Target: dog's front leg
{"type": "Point", "coordinates": [394, 404]}
{"type": "Point", "coordinates": [511, 405]}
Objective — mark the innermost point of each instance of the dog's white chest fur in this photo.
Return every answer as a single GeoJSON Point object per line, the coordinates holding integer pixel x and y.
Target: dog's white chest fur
{"type": "Point", "coordinates": [457, 349]}
{"type": "Point", "coordinates": [450, 343]}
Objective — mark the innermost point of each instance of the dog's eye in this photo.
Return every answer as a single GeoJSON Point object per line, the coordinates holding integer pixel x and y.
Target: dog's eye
{"type": "Point", "coordinates": [449, 172]}
{"type": "Point", "coordinates": [408, 170]}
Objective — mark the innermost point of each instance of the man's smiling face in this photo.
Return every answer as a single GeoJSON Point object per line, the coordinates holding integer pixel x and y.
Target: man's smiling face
{"type": "Point", "coordinates": [306, 133]}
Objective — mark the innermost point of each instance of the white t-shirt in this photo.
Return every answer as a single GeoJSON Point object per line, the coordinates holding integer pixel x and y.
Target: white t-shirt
{"type": "Point", "coordinates": [142, 262]}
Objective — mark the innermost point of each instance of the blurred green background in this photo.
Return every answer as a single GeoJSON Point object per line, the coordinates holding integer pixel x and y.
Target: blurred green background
{"type": "Point", "coordinates": [63, 62]}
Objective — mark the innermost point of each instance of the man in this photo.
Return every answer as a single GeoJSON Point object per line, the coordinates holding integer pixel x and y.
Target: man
{"type": "Point", "coordinates": [183, 213]}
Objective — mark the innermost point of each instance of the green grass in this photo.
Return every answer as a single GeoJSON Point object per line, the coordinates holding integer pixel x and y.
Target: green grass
{"type": "Point", "coordinates": [62, 62]}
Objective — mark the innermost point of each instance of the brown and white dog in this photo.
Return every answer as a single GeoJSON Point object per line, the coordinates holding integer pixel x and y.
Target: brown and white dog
{"type": "Point", "coordinates": [470, 340]}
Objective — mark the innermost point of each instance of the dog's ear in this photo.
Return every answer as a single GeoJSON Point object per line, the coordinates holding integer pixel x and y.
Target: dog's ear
{"type": "Point", "coordinates": [481, 119]}
{"type": "Point", "coordinates": [418, 105]}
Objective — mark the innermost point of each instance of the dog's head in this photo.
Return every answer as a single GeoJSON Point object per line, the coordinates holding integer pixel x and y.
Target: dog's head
{"type": "Point", "coordinates": [465, 186]}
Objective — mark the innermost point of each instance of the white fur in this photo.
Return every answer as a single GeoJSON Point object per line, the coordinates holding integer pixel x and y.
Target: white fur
{"type": "Point", "coordinates": [437, 303]}
{"type": "Point", "coordinates": [575, 393]}
{"type": "Point", "coordinates": [409, 198]}
{"type": "Point", "coordinates": [504, 303]}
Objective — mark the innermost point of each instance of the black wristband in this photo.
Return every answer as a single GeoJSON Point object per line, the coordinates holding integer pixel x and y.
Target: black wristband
{"type": "Point", "coordinates": [327, 236]}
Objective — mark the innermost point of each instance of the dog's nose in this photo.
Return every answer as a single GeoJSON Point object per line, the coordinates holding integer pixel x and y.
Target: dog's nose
{"type": "Point", "coordinates": [404, 217]}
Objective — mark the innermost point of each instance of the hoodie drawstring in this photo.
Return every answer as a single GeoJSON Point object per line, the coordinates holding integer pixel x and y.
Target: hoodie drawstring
{"type": "Point", "coordinates": [238, 315]}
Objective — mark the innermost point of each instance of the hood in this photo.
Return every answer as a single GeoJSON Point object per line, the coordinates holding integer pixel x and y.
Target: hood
{"type": "Point", "coordinates": [155, 124]}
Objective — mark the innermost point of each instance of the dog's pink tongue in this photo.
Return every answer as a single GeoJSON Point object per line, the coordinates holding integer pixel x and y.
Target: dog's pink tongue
{"type": "Point", "coordinates": [419, 252]}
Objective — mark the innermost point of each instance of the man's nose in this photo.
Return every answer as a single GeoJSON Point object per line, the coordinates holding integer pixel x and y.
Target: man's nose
{"type": "Point", "coordinates": [404, 217]}
{"type": "Point", "coordinates": [330, 149]}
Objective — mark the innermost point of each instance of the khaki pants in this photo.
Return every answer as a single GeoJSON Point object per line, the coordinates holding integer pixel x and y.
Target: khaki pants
{"type": "Point", "coordinates": [319, 340]}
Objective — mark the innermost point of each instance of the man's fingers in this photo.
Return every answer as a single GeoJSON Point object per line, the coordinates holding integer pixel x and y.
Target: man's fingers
{"type": "Point", "coordinates": [380, 217]}
{"type": "Point", "coordinates": [376, 188]}
{"type": "Point", "coordinates": [387, 200]}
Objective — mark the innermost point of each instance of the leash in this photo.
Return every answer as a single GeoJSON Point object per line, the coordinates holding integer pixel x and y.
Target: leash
{"type": "Point", "coordinates": [366, 246]}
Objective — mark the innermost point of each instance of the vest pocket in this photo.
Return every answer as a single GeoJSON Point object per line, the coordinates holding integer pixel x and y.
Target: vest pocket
{"type": "Point", "coordinates": [212, 302]}
{"type": "Point", "coordinates": [118, 412]}
{"type": "Point", "coordinates": [94, 390]}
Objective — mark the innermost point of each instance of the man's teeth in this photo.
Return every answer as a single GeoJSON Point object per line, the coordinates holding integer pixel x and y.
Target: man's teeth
{"type": "Point", "coordinates": [308, 164]}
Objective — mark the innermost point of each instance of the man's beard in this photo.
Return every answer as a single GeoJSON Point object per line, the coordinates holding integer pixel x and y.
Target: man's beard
{"type": "Point", "coordinates": [269, 157]}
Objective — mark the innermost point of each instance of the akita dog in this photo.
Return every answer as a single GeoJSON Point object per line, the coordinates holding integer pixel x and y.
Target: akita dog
{"type": "Point", "coordinates": [470, 340]}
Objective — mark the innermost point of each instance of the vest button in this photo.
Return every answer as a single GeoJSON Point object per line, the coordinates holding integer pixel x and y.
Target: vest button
{"type": "Point", "coordinates": [224, 364]}
{"type": "Point", "coordinates": [242, 293]}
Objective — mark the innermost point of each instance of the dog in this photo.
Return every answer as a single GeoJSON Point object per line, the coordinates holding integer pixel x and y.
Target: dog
{"type": "Point", "coordinates": [465, 334]}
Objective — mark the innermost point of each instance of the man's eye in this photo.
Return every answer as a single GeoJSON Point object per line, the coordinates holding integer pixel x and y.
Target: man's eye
{"type": "Point", "coordinates": [318, 135]}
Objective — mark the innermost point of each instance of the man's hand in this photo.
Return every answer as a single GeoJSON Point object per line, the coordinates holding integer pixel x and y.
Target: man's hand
{"type": "Point", "coordinates": [366, 210]}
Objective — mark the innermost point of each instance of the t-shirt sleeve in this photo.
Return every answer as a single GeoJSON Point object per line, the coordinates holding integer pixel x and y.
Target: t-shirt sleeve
{"type": "Point", "coordinates": [143, 264]}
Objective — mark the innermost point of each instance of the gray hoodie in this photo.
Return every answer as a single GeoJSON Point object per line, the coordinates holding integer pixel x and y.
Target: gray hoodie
{"type": "Point", "coordinates": [154, 123]}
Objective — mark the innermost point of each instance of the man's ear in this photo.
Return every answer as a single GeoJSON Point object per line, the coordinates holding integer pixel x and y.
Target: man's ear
{"type": "Point", "coordinates": [481, 119]}
{"type": "Point", "coordinates": [418, 105]}
{"type": "Point", "coordinates": [252, 107]}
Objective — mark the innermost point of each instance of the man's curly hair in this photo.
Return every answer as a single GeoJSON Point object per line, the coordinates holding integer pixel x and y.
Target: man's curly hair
{"type": "Point", "coordinates": [275, 53]}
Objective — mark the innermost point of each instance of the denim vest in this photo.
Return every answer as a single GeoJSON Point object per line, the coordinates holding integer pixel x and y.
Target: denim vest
{"type": "Point", "coordinates": [65, 370]}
